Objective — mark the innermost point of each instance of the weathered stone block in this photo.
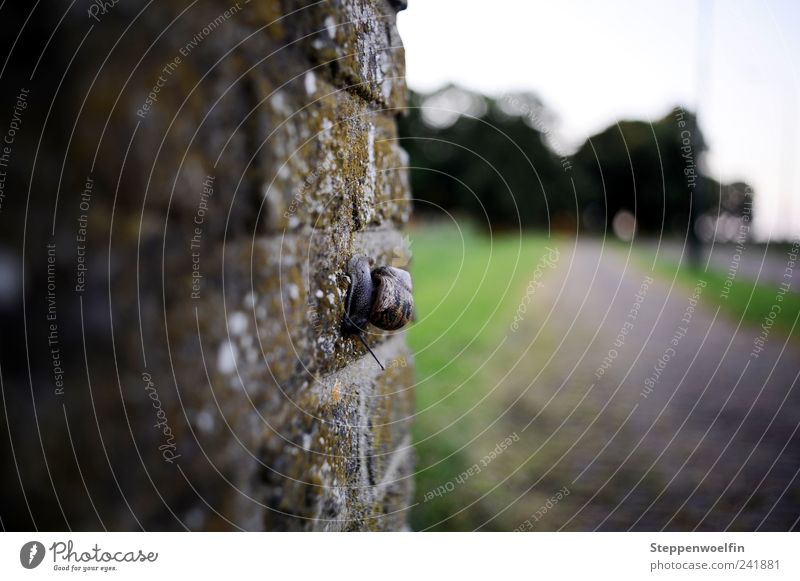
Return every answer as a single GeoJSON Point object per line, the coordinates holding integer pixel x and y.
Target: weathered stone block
{"type": "Point", "coordinates": [241, 154]}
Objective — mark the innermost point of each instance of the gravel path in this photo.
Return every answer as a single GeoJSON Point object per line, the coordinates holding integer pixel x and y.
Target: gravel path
{"type": "Point", "coordinates": [647, 410]}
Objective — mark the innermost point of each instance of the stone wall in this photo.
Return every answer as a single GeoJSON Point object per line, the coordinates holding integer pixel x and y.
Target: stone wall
{"type": "Point", "coordinates": [225, 162]}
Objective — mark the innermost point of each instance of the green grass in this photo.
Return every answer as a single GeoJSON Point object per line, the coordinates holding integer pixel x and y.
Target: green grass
{"type": "Point", "coordinates": [747, 301]}
{"type": "Point", "coordinates": [466, 289]}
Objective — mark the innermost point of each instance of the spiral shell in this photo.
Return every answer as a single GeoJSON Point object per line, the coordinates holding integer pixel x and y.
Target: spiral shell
{"type": "Point", "coordinates": [393, 303]}
{"type": "Point", "coordinates": [381, 296]}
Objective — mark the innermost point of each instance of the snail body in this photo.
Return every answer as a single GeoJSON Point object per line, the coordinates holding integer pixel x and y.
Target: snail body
{"type": "Point", "coordinates": [359, 296]}
{"type": "Point", "coordinates": [380, 296]}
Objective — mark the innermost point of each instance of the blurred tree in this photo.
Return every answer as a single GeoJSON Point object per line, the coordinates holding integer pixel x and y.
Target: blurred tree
{"type": "Point", "coordinates": [470, 155]}
{"type": "Point", "coordinates": [493, 159]}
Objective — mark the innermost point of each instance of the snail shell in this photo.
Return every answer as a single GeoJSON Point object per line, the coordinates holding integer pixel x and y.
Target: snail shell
{"type": "Point", "coordinates": [381, 297]}
{"type": "Point", "coordinates": [392, 304]}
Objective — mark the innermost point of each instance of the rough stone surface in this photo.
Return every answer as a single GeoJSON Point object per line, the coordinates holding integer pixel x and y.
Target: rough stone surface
{"type": "Point", "coordinates": [221, 222]}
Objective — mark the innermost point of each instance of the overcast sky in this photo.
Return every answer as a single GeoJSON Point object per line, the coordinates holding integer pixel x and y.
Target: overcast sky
{"type": "Point", "coordinates": [596, 62]}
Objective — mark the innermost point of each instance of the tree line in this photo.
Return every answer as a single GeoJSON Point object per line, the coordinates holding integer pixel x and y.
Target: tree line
{"type": "Point", "coordinates": [498, 161]}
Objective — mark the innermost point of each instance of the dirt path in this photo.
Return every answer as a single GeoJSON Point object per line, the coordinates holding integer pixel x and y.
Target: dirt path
{"type": "Point", "coordinates": [645, 410]}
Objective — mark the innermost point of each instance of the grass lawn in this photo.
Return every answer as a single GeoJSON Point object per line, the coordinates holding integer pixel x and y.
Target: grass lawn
{"type": "Point", "coordinates": [466, 289]}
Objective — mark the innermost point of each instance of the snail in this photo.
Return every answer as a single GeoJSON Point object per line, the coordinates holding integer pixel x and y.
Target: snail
{"type": "Point", "coordinates": [381, 296]}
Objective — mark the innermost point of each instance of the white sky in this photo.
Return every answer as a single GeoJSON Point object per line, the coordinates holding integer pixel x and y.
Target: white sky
{"type": "Point", "coordinates": [595, 62]}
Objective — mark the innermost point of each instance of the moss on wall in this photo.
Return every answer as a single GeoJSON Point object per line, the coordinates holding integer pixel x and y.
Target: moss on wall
{"type": "Point", "coordinates": [223, 214]}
